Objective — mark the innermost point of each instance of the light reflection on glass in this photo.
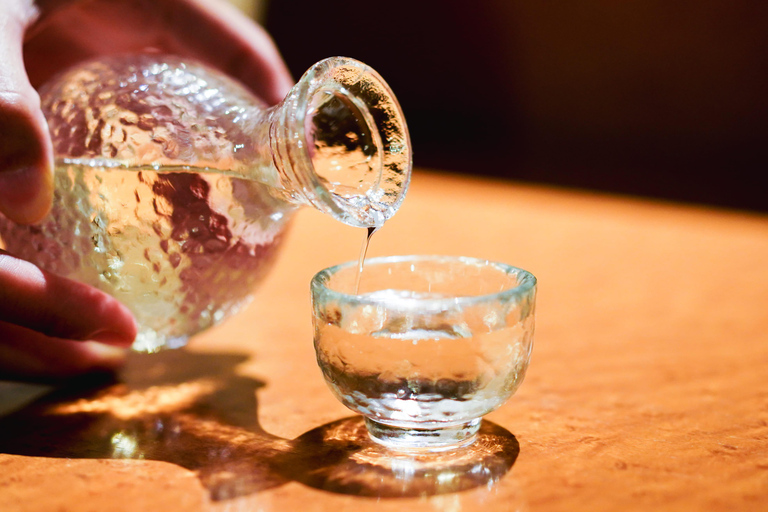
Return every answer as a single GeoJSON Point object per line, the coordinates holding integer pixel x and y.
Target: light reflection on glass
{"type": "Point", "coordinates": [124, 446]}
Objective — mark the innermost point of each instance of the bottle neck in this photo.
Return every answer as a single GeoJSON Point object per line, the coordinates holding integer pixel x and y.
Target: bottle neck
{"type": "Point", "coordinates": [339, 142]}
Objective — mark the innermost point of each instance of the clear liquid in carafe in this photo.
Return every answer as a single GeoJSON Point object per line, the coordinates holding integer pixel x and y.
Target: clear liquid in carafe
{"type": "Point", "coordinates": [181, 248]}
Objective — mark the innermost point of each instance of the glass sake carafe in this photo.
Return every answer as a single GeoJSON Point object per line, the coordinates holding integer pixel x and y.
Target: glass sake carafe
{"type": "Point", "coordinates": [174, 185]}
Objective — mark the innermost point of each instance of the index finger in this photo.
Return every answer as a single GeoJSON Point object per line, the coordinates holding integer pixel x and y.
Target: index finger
{"type": "Point", "coordinates": [59, 307]}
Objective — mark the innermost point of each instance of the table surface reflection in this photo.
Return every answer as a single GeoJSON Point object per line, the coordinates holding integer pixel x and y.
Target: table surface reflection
{"type": "Point", "coordinates": [647, 386]}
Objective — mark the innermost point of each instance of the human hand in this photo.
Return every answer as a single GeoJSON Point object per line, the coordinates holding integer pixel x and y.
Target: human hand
{"type": "Point", "coordinates": [46, 320]}
{"type": "Point", "coordinates": [41, 314]}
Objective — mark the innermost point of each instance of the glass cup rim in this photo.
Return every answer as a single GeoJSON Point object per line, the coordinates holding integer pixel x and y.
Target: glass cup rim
{"type": "Point", "coordinates": [320, 290]}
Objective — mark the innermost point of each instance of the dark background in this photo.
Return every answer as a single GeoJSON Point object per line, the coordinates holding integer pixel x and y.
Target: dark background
{"type": "Point", "coordinates": [652, 98]}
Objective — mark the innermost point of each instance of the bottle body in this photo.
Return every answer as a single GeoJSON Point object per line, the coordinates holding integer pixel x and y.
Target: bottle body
{"type": "Point", "coordinates": [174, 187]}
{"type": "Point", "coordinates": [183, 250]}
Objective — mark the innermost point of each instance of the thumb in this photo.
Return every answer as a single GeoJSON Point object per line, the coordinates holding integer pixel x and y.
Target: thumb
{"type": "Point", "coordinates": [26, 178]}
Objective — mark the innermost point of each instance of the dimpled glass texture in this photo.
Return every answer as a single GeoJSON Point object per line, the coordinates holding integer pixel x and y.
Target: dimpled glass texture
{"type": "Point", "coordinates": [184, 247]}
{"type": "Point", "coordinates": [174, 185]}
{"type": "Point", "coordinates": [426, 346]}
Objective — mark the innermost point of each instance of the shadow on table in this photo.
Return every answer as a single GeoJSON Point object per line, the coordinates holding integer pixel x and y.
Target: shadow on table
{"type": "Point", "coordinates": [194, 411]}
{"type": "Point", "coordinates": [341, 457]}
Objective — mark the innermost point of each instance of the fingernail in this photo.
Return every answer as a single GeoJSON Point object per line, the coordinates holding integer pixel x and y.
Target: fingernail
{"type": "Point", "coordinates": [107, 356]}
{"type": "Point", "coordinates": [111, 338]}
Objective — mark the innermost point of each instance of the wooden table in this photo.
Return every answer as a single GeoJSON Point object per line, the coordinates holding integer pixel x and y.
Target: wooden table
{"type": "Point", "coordinates": [648, 386]}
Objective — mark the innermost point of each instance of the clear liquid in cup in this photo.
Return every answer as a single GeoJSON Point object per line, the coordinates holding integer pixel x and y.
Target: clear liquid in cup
{"type": "Point", "coordinates": [421, 376]}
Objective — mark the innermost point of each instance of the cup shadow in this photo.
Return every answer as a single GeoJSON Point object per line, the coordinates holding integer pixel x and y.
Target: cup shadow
{"type": "Point", "coordinates": [341, 457]}
{"type": "Point", "coordinates": [195, 411]}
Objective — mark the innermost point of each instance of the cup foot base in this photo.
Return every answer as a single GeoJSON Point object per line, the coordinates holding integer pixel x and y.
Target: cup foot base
{"type": "Point", "coordinates": [424, 439]}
